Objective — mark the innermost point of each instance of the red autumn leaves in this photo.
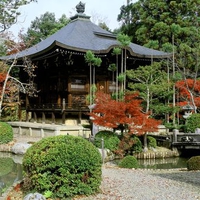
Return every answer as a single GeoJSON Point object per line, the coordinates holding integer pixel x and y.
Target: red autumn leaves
{"type": "Point", "coordinates": [111, 113]}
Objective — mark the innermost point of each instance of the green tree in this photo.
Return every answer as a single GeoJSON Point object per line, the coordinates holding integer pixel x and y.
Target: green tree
{"type": "Point", "coordinates": [103, 25]}
{"type": "Point", "coordinates": [124, 41]}
{"type": "Point", "coordinates": [9, 12]}
{"type": "Point", "coordinates": [152, 84]}
{"type": "Point", "coordinates": [171, 26]}
{"type": "Point", "coordinates": [92, 61]}
{"type": "Point", "coordinates": [11, 86]}
{"type": "Point", "coordinates": [44, 26]}
{"type": "Point", "coordinates": [156, 23]}
{"type": "Point", "coordinates": [116, 52]}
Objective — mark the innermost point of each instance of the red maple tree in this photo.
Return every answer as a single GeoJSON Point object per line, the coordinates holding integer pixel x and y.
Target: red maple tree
{"type": "Point", "coordinates": [127, 113]}
{"type": "Point", "coordinates": [188, 91]}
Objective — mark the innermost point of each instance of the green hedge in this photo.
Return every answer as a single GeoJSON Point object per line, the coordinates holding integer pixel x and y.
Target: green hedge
{"type": "Point", "coordinates": [65, 165]}
{"type": "Point", "coordinates": [137, 145]}
{"type": "Point", "coordinates": [128, 162]}
{"type": "Point", "coordinates": [192, 122]}
{"type": "Point", "coordinates": [111, 140]}
{"type": "Point", "coordinates": [6, 133]}
{"type": "Point", "coordinates": [193, 163]}
{"type": "Point", "coordinates": [151, 142]}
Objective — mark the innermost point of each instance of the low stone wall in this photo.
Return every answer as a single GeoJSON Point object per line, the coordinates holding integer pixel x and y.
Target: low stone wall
{"type": "Point", "coordinates": [46, 130]}
{"type": "Point", "coordinates": [108, 155]}
{"type": "Point", "coordinates": [164, 153]}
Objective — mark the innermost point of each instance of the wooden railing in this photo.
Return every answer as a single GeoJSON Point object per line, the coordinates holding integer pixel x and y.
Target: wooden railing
{"type": "Point", "coordinates": [52, 107]}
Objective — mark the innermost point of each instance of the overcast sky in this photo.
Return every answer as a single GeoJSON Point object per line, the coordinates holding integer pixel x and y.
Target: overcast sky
{"type": "Point", "coordinates": [105, 10]}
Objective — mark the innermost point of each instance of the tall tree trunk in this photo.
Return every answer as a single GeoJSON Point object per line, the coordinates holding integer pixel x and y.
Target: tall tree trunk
{"type": "Point", "coordinates": [174, 89]}
{"type": "Point", "coordinates": [90, 85]}
{"type": "Point", "coordinates": [124, 69]}
{"type": "Point", "coordinates": [93, 84]}
{"type": "Point", "coordinates": [147, 110]}
{"type": "Point", "coordinates": [4, 87]}
{"type": "Point", "coordinates": [117, 83]}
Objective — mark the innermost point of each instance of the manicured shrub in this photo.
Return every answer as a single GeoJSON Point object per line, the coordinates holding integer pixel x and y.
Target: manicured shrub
{"type": "Point", "coordinates": [137, 145]}
{"type": "Point", "coordinates": [65, 165]}
{"type": "Point", "coordinates": [192, 123]}
{"type": "Point", "coordinates": [128, 162]}
{"type": "Point", "coordinates": [151, 142]}
{"type": "Point", "coordinates": [111, 140]}
{"type": "Point", "coordinates": [6, 133]}
{"type": "Point", "coordinates": [193, 163]}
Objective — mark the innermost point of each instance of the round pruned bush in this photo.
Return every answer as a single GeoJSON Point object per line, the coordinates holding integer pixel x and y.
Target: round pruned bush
{"type": "Point", "coordinates": [6, 133]}
{"type": "Point", "coordinates": [65, 165]}
{"type": "Point", "coordinates": [137, 145]}
{"type": "Point", "coordinates": [128, 162]}
{"type": "Point", "coordinates": [151, 142]}
{"type": "Point", "coordinates": [192, 123]}
{"type": "Point", "coordinates": [111, 140]}
{"type": "Point", "coordinates": [193, 163]}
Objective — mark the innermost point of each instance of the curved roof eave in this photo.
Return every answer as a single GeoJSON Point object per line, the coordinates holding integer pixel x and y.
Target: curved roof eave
{"type": "Point", "coordinates": [155, 53]}
{"type": "Point", "coordinates": [30, 52]}
{"type": "Point", "coordinates": [136, 53]}
{"type": "Point", "coordinates": [82, 35]}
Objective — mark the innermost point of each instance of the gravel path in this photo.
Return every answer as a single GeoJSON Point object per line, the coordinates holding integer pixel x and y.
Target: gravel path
{"type": "Point", "coordinates": [129, 184]}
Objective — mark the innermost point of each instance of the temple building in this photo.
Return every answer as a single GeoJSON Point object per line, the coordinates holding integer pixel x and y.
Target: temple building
{"type": "Point", "coordinates": [62, 74]}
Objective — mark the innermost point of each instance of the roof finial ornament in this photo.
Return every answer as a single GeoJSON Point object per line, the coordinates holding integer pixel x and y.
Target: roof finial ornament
{"type": "Point", "coordinates": [80, 8]}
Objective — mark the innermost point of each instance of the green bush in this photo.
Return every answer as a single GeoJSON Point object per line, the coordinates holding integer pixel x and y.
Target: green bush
{"type": "Point", "coordinates": [111, 140]}
{"type": "Point", "coordinates": [137, 145]}
{"type": "Point", "coordinates": [151, 142]}
{"type": "Point", "coordinates": [65, 165]}
{"type": "Point", "coordinates": [6, 133]}
{"type": "Point", "coordinates": [192, 123]}
{"type": "Point", "coordinates": [193, 163]}
{"type": "Point", "coordinates": [128, 162]}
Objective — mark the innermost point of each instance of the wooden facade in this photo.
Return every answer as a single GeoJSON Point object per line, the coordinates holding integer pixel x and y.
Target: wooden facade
{"type": "Point", "coordinates": [63, 85]}
{"type": "Point", "coordinates": [62, 75]}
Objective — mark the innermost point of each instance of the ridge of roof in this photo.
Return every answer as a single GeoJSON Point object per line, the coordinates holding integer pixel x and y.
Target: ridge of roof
{"type": "Point", "coordinates": [109, 35]}
{"type": "Point", "coordinates": [83, 35]}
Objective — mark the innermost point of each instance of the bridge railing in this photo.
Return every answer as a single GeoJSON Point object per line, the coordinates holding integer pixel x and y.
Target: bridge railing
{"type": "Point", "coordinates": [185, 140]}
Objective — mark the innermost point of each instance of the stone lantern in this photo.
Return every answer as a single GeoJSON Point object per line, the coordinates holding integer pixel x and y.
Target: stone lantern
{"type": "Point", "coordinates": [187, 110]}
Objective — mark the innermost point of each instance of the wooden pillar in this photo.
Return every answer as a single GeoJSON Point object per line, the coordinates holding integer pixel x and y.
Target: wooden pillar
{"type": "Point", "coordinates": [63, 104]}
{"type": "Point", "coordinates": [43, 117]}
{"type": "Point", "coordinates": [27, 116]}
{"type": "Point", "coordinates": [59, 100]}
{"type": "Point", "coordinates": [53, 118]}
{"type": "Point", "coordinates": [79, 116]}
{"type": "Point", "coordinates": [70, 100]}
{"type": "Point", "coordinates": [27, 102]}
{"type": "Point", "coordinates": [63, 117]}
{"type": "Point", "coordinates": [26, 107]}
{"type": "Point", "coordinates": [35, 117]}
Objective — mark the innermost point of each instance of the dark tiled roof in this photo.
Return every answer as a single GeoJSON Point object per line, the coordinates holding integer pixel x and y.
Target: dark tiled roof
{"type": "Point", "coordinates": [82, 35]}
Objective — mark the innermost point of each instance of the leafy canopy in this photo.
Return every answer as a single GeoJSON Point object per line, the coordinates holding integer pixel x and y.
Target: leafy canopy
{"type": "Point", "coordinates": [111, 113]}
{"type": "Point", "coordinates": [154, 24]}
{"type": "Point", "coordinates": [9, 12]}
{"type": "Point", "coordinates": [188, 90]}
{"type": "Point", "coordinates": [44, 26]}
{"type": "Point", "coordinates": [153, 87]}
{"type": "Point", "coordinates": [90, 58]}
